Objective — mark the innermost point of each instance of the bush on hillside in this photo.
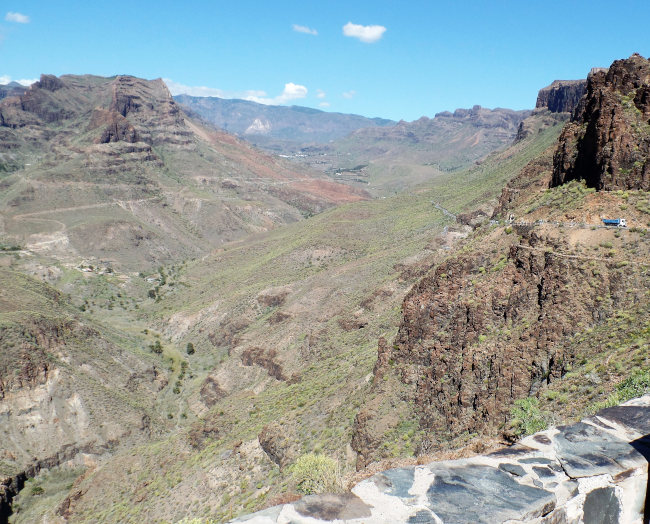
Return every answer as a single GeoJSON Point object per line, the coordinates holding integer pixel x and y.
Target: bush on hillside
{"type": "Point", "coordinates": [317, 474]}
{"type": "Point", "coordinates": [527, 418]}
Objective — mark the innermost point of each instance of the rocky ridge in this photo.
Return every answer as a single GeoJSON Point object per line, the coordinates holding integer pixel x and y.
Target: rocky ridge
{"type": "Point", "coordinates": [495, 322]}
{"type": "Point", "coordinates": [151, 183]}
{"type": "Point", "coordinates": [607, 143]}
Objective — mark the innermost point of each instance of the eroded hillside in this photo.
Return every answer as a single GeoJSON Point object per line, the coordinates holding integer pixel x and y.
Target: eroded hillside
{"type": "Point", "coordinates": [283, 328]}
{"type": "Point", "coordinates": [481, 289]}
{"type": "Point", "coordinates": [111, 169]}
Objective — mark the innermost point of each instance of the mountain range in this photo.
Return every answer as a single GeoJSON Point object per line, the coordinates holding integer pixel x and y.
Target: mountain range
{"type": "Point", "coordinates": [112, 169]}
{"type": "Point", "coordinates": [193, 329]}
{"type": "Point", "coordinates": [264, 125]}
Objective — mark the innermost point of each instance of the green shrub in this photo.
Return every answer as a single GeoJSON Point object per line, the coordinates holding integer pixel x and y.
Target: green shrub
{"type": "Point", "coordinates": [190, 348]}
{"type": "Point", "coordinates": [527, 418]}
{"type": "Point", "coordinates": [317, 474]}
{"type": "Point", "coordinates": [636, 385]}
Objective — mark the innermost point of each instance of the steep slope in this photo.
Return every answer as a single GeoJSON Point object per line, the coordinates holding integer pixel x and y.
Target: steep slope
{"type": "Point", "coordinates": [112, 169]}
{"type": "Point", "coordinates": [284, 327]}
{"type": "Point", "coordinates": [71, 390]}
{"type": "Point", "coordinates": [562, 96]}
{"type": "Point", "coordinates": [379, 155]}
{"type": "Point", "coordinates": [512, 311]}
{"type": "Point", "coordinates": [278, 128]}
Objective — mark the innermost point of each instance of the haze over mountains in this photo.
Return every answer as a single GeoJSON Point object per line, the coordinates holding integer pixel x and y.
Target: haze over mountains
{"type": "Point", "coordinates": [276, 127]}
{"type": "Point", "coordinates": [186, 319]}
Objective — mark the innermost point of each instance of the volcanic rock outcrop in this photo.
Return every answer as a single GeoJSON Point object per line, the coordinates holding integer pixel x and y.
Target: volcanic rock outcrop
{"type": "Point", "coordinates": [493, 323]}
{"type": "Point", "coordinates": [562, 96]}
{"type": "Point", "coordinates": [481, 331]}
{"type": "Point", "coordinates": [124, 143]}
{"type": "Point", "coordinates": [607, 143]}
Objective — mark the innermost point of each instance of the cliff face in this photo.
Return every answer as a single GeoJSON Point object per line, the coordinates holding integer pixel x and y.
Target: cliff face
{"type": "Point", "coordinates": [68, 391]}
{"type": "Point", "coordinates": [607, 143]}
{"type": "Point", "coordinates": [562, 96]}
{"type": "Point", "coordinates": [491, 326]}
{"type": "Point", "coordinates": [496, 321]}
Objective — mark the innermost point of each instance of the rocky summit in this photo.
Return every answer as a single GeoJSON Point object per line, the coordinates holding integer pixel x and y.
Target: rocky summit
{"type": "Point", "coordinates": [607, 143]}
{"type": "Point", "coordinates": [562, 96]}
{"type": "Point", "coordinates": [112, 168]}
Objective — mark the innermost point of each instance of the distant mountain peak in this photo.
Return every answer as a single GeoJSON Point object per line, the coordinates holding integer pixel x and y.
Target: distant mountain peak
{"type": "Point", "coordinates": [268, 125]}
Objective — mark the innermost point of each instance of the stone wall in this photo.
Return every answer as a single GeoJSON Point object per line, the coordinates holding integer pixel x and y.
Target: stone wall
{"type": "Point", "coordinates": [594, 471]}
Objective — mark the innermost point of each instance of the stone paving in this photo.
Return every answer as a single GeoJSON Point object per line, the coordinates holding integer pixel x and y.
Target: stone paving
{"type": "Point", "coordinates": [592, 472]}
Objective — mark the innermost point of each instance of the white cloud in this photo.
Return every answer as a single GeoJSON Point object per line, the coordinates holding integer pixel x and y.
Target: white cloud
{"type": "Point", "coordinates": [365, 33]}
{"type": "Point", "coordinates": [320, 93]}
{"type": "Point", "coordinates": [349, 94]}
{"type": "Point", "coordinates": [291, 92]}
{"type": "Point", "coordinates": [6, 79]}
{"type": "Point", "coordinates": [304, 29]}
{"type": "Point", "coordinates": [324, 104]}
{"type": "Point", "coordinates": [19, 18]}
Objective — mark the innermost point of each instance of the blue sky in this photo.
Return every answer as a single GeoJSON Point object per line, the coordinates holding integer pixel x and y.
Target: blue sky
{"type": "Point", "coordinates": [400, 60]}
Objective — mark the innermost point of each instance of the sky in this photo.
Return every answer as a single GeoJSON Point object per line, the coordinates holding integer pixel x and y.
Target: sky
{"type": "Point", "coordinates": [398, 60]}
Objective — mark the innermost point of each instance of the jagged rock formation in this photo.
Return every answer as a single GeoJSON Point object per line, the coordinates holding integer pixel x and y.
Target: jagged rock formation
{"type": "Point", "coordinates": [483, 330]}
{"type": "Point", "coordinates": [493, 323]}
{"type": "Point", "coordinates": [562, 96]}
{"type": "Point", "coordinates": [592, 471]}
{"type": "Point", "coordinates": [607, 143]}
{"type": "Point", "coordinates": [426, 130]}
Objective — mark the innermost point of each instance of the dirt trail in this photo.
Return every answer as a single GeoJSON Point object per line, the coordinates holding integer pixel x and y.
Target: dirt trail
{"type": "Point", "coordinates": [121, 203]}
